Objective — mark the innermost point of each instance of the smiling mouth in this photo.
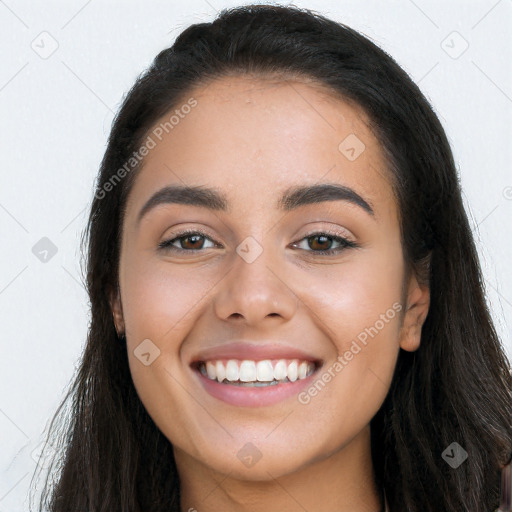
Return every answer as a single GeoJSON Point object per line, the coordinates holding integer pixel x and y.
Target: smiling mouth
{"type": "Point", "coordinates": [252, 373]}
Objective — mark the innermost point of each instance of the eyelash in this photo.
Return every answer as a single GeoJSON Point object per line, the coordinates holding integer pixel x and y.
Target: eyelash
{"type": "Point", "coordinates": [166, 245]}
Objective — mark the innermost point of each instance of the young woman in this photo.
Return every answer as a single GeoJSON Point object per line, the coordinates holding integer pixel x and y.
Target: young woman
{"type": "Point", "coordinates": [287, 304]}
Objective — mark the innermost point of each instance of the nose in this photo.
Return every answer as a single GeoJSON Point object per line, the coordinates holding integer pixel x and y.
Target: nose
{"type": "Point", "coordinates": [256, 291]}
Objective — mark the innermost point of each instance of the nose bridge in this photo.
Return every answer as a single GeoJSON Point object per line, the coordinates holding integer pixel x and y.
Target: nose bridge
{"type": "Point", "coordinates": [253, 288]}
{"type": "Point", "coordinates": [253, 268]}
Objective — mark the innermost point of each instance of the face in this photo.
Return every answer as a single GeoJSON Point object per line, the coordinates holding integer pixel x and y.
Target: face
{"type": "Point", "coordinates": [263, 279]}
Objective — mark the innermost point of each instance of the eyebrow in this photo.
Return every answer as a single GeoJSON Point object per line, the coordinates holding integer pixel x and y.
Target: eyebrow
{"type": "Point", "coordinates": [291, 199]}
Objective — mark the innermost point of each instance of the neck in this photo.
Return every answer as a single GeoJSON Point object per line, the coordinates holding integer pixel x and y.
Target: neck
{"type": "Point", "coordinates": [341, 481]}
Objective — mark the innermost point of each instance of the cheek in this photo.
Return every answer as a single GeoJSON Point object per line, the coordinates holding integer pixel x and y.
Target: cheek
{"type": "Point", "coordinates": [162, 303]}
{"type": "Point", "coordinates": [357, 307]}
{"type": "Point", "coordinates": [350, 296]}
{"type": "Point", "coordinates": [159, 297]}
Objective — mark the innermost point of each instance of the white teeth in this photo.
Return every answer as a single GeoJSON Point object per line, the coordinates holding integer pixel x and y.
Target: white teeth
{"type": "Point", "coordinates": [247, 371]}
{"type": "Point", "coordinates": [232, 370]}
{"type": "Point", "coordinates": [220, 370]}
{"type": "Point", "coordinates": [280, 370]}
{"type": "Point", "coordinates": [265, 372]}
{"type": "Point", "coordinates": [251, 372]}
{"type": "Point", "coordinates": [210, 369]}
{"type": "Point", "coordinates": [303, 370]}
{"type": "Point", "coordinates": [293, 371]}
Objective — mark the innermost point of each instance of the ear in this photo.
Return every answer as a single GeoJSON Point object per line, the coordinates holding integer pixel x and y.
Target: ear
{"type": "Point", "coordinates": [117, 311]}
{"type": "Point", "coordinates": [418, 303]}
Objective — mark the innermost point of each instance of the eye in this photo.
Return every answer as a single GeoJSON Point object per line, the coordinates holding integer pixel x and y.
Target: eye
{"type": "Point", "coordinates": [317, 243]}
{"type": "Point", "coordinates": [187, 241]}
{"type": "Point", "coordinates": [322, 243]}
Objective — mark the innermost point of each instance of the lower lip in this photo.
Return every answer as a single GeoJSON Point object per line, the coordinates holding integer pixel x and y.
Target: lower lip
{"type": "Point", "coordinates": [253, 396]}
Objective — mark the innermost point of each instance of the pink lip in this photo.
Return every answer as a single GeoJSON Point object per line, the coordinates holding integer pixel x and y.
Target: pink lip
{"type": "Point", "coordinates": [251, 351]}
{"type": "Point", "coordinates": [252, 396]}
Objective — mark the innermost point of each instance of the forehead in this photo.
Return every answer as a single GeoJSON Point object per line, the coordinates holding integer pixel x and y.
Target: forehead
{"type": "Point", "coordinates": [252, 138]}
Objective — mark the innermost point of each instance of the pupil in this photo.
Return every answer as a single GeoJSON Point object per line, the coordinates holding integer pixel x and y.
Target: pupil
{"type": "Point", "coordinates": [325, 241]}
{"type": "Point", "coordinates": [192, 237]}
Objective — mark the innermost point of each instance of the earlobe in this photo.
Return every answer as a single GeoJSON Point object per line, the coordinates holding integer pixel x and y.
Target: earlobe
{"type": "Point", "coordinates": [117, 312]}
{"type": "Point", "coordinates": [416, 312]}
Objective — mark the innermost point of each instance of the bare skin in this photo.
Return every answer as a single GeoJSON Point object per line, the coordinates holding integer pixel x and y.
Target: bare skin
{"type": "Point", "coordinates": [252, 139]}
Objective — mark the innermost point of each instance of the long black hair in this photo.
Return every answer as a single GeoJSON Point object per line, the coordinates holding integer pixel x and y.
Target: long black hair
{"type": "Point", "coordinates": [456, 388]}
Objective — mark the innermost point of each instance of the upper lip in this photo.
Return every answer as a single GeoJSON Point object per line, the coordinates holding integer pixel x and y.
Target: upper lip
{"type": "Point", "coordinates": [253, 351]}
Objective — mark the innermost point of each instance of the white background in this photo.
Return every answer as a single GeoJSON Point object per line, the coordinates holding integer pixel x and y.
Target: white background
{"type": "Point", "coordinates": [56, 114]}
